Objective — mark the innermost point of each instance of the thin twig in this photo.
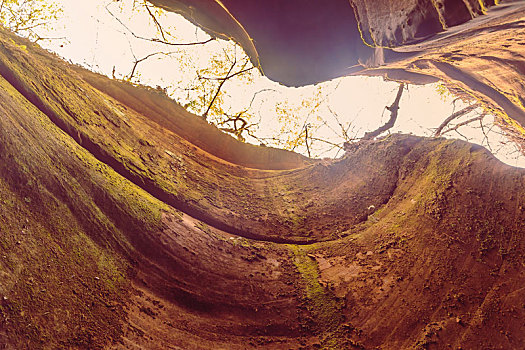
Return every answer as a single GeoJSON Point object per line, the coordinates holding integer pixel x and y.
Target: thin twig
{"type": "Point", "coordinates": [137, 61]}
{"type": "Point", "coordinates": [457, 126]}
{"type": "Point", "coordinates": [327, 142]}
{"type": "Point", "coordinates": [306, 140]}
{"type": "Point", "coordinates": [453, 116]}
{"type": "Point", "coordinates": [156, 40]}
{"type": "Point", "coordinates": [229, 76]}
{"type": "Point", "coordinates": [154, 18]}
{"type": "Point", "coordinates": [205, 115]}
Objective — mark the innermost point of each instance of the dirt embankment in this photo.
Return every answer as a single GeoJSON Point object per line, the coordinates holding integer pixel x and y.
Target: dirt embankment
{"type": "Point", "coordinates": [116, 232]}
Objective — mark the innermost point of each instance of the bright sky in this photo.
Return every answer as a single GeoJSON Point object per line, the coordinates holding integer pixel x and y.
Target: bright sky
{"type": "Point", "coordinates": [95, 39]}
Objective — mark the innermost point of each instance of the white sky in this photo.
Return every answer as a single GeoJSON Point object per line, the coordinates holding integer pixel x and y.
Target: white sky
{"type": "Point", "coordinates": [96, 40]}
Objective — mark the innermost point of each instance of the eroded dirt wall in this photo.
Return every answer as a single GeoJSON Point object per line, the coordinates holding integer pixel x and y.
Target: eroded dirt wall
{"type": "Point", "coordinates": [298, 43]}
{"type": "Point", "coordinates": [117, 232]}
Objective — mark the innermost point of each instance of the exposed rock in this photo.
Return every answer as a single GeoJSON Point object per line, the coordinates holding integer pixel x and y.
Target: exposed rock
{"type": "Point", "coordinates": [298, 42]}
{"type": "Point", "coordinates": [415, 41]}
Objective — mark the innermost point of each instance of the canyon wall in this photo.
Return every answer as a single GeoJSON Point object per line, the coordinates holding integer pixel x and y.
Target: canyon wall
{"type": "Point", "coordinates": [120, 228]}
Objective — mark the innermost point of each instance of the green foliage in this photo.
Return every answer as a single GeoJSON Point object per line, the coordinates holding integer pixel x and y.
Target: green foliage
{"type": "Point", "coordinates": [27, 17]}
{"type": "Point", "coordinates": [295, 118]}
{"type": "Point", "coordinates": [322, 304]}
{"type": "Point", "coordinates": [228, 66]}
{"type": "Point", "coordinates": [216, 80]}
{"type": "Point", "coordinates": [443, 91]}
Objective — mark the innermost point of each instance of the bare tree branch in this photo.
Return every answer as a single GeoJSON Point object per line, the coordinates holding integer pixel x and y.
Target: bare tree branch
{"type": "Point", "coordinates": [154, 18]}
{"type": "Point", "coordinates": [205, 115]}
{"type": "Point", "coordinates": [137, 61]}
{"type": "Point", "coordinates": [39, 38]}
{"type": "Point", "coordinates": [468, 109]}
{"type": "Point", "coordinates": [457, 126]}
{"type": "Point", "coordinates": [306, 140]}
{"type": "Point", "coordinates": [394, 108]}
{"type": "Point", "coordinates": [327, 142]}
{"type": "Point", "coordinates": [156, 40]}
{"type": "Point", "coordinates": [485, 134]}
{"type": "Point", "coordinates": [229, 76]}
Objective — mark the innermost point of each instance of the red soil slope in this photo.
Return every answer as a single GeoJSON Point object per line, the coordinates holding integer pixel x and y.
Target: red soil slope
{"type": "Point", "coordinates": [117, 232]}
